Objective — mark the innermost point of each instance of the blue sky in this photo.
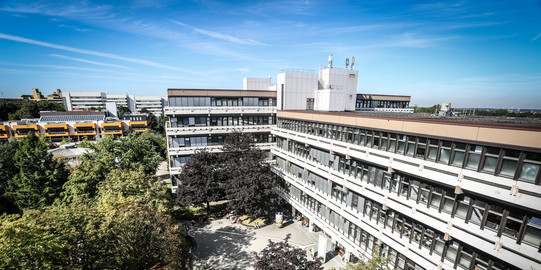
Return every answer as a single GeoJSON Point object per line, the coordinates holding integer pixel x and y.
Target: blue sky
{"type": "Point", "coordinates": [470, 53]}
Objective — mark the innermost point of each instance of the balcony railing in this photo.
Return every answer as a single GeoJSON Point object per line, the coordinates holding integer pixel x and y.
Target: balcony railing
{"type": "Point", "coordinates": [218, 110]}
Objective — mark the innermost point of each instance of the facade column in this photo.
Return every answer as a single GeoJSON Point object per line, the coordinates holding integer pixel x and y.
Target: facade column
{"type": "Point", "coordinates": [347, 256]}
{"type": "Point", "coordinates": [310, 226]}
{"type": "Point", "coordinates": [293, 213]}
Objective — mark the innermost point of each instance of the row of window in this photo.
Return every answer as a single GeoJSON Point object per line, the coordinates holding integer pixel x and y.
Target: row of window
{"type": "Point", "coordinates": [369, 104]}
{"type": "Point", "coordinates": [509, 163]}
{"type": "Point", "coordinates": [56, 130]}
{"type": "Point", "coordinates": [460, 255]}
{"type": "Point", "coordinates": [202, 141]}
{"type": "Point", "coordinates": [397, 260]}
{"type": "Point", "coordinates": [202, 121]}
{"type": "Point", "coordinates": [518, 224]}
{"type": "Point", "coordinates": [220, 101]}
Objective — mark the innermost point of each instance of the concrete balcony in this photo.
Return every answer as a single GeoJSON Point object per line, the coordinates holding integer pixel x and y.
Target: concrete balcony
{"type": "Point", "coordinates": [170, 111]}
{"type": "Point", "coordinates": [217, 129]}
{"type": "Point", "coordinates": [212, 148]}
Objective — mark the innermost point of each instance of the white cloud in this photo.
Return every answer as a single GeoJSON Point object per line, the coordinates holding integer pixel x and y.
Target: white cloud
{"type": "Point", "coordinates": [222, 36]}
{"type": "Point", "coordinates": [95, 53]}
{"type": "Point", "coordinates": [89, 61]}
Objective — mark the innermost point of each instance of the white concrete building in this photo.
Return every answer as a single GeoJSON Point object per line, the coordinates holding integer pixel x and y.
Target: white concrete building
{"type": "Point", "coordinates": [77, 101]}
{"type": "Point", "coordinates": [203, 118]}
{"type": "Point", "coordinates": [429, 193]}
{"type": "Point", "coordinates": [153, 104]}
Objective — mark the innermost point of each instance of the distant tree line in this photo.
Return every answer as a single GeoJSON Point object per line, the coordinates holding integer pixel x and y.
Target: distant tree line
{"type": "Point", "coordinates": [30, 109]}
{"type": "Point", "coordinates": [110, 212]}
{"type": "Point", "coordinates": [480, 112]}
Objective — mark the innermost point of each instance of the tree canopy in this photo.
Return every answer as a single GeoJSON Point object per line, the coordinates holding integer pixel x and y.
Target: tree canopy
{"type": "Point", "coordinates": [376, 262]}
{"type": "Point", "coordinates": [40, 176]}
{"type": "Point", "coordinates": [7, 171]}
{"type": "Point", "coordinates": [131, 153]}
{"type": "Point", "coordinates": [30, 109]}
{"type": "Point", "coordinates": [122, 110]}
{"type": "Point", "coordinates": [283, 256]}
{"type": "Point", "coordinates": [201, 180]}
{"type": "Point", "coordinates": [240, 167]}
{"type": "Point", "coordinates": [111, 214]}
{"type": "Point", "coordinates": [250, 185]}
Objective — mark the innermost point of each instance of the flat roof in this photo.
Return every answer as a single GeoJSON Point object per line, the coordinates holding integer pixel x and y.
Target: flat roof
{"type": "Point", "coordinates": [474, 129]}
{"type": "Point", "coordinates": [219, 93]}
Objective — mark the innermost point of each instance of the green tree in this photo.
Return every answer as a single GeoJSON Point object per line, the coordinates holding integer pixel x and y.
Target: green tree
{"type": "Point", "coordinates": [28, 243]}
{"type": "Point", "coordinates": [127, 153]}
{"type": "Point", "coordinates": [161, 124]}
{"type": "Point", "coordinates": [31, 109]}
{"type": "Point", "coordinates": [201, 180]}
{"type": "Point", "coordinates": [95, 109]}
{"type": "Point", "coordinates": [122, 110]}
{"type": "Point", "coordinates": [249, 185]}
{"type": "Point", "coordinates": [116, 217]}
{"type": "Point", "coordinates": [377, 262]}
{"type": "Point", "coordinates": [433, 110]}
{"type": "Point", "coordinates": [40, 177]}
{"type": "Point", "coordinates": [282, 255]}
{"type": "Point", "coordinates": [6, 108]}
{"type": "Point", "coordinates": [152, 122]}
{"type": "Point", "coordinates": [82, 184]}
{"type": "Point", "coordinates": [7, 171]}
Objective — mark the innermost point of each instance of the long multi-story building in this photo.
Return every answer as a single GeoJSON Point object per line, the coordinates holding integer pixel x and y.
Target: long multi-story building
{"type": "Point", "coordinates": [203, 118]}
{"type": "Point", "coordinates": [432, 194]}
{"type": "Point", "coordinates": [73, 126]}
{"type": "Point", "coordinates": [76, 101]}
{"type": "Point", "coordinates": [153, 104]}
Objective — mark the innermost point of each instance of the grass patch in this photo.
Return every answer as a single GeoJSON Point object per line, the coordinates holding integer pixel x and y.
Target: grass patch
{"type": "Point", "coordinates": [194, 213]}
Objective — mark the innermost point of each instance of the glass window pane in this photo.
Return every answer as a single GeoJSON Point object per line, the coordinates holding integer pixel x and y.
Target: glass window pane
{"type": "Point", "coordinates": [445, 154]}
{"type": "Point", "coordinates": [494, 217]}
{"type": "Point", "coordinates": [452, 252]}
{"type": "Point", "coordinates": [432, 153]}
{"type": "Point", "coordinates": [490, 164]}
{"type": "Point", "coordinates": [438, 247]}
{"type": "Point", "coordinates": [401, 146]}
{"type": "Point", "coordinates": [411, 149]}
{"type": "Point", "coordinates": [533, 232]}
{"type": "Point", "coordinates": [512, 226]}
{"type": "Point", "coordinates": [448, 204]}
{"type": "Point", "coordinates": [421, 149]}
{"type": "Point", "coordinates": [473, 161]}
{"type": "Point", "coordinates": [509, 167]}
{"type": "Point", "coordinates": [465, 260]}
{"type": "Point", "coordinates": [462, 209]}
{"type": "Point", "coordinates": [458, 159]}
{"type": "Point", "coordinates": [529, 171]}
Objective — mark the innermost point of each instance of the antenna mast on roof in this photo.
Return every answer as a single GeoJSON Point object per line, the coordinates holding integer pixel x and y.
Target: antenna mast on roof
{"type": "Point", "coordinates": [352, 62]}
{"type": "Point", "coordinates": [330, 60]}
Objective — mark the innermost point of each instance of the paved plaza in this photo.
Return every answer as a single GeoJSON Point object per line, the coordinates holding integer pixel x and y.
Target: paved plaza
{"type": "Point", "coordinates": [223, 245]}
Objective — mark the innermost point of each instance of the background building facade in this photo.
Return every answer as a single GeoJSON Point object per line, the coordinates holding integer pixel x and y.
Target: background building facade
{"type": "Point", "coordinates": [203, 118]}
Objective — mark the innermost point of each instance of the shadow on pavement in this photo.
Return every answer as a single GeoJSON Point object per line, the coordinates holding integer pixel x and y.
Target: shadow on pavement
{"type": "Point", "coordinates": [223, 249]}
